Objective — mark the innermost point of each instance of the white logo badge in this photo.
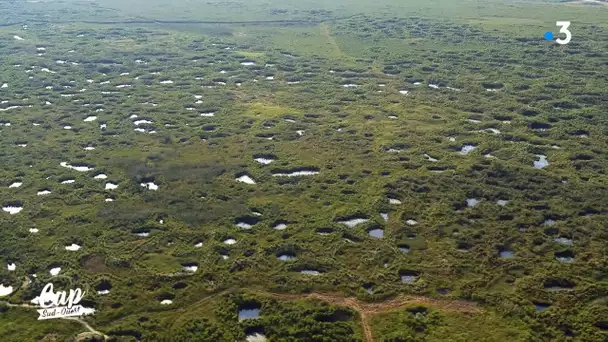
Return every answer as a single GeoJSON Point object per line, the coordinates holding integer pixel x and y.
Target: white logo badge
{"type": "Point", "coordinates": [60, 304]}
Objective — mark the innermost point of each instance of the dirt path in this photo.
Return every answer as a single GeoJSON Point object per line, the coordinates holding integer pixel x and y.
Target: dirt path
{"type": "Point", "coordinates": [326, 32]}
{"type": "Point", "coordinates": [76, 319]}
{"type": "Point", "coordinates": [86, 325]}
{"type": "Point", "coordinates": [366, 310]}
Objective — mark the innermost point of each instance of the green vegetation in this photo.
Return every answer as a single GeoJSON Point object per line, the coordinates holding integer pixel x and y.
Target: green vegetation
{"type": "Point", "coordinates": [149, 122]}
{"type": "Point", "coordinates": [419, 323]}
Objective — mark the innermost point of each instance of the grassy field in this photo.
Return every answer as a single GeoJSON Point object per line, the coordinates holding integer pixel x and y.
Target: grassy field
{"type": "Point", "coordinates": [209, 156]}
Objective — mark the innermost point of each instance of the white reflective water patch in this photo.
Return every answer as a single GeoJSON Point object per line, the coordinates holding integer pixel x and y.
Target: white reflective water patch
{"type": "Point", "coordinates": [90, 118]}
{"type": "Point", "coordinates": [354, 222]}
{"type": "Point", "coordinates": [542, 162]}
{"type": "Point", "coordinates": [18, 38]}
{"type": "Point", "coordinates": [9, 108]}
{"type": "Point", "coordinates": [15, 185]}
{"type": "Point", "coordinates": [245, 179]}
{"type": "Point", "coordinates": [280, 226]}
{"type": "Point", "coordinates": [466, 149]}
{"type": "Point", "coordinates": [310, 272]}
{"type": "Point", "coordinates": [77, 168]}
{"type": "Point", "coordinates": [12, 209]}
{"type": "Point", "coordinates": [192, 268]}
{"type": "Point", "coordinates": [244, 225]}
{"type": "Point", "coordinates": [5, 290]}
{"type": "Point", "coordinates": [489, 130]}
{"type": "Point", "coordinates": [141, 122]}
{"type": "Point", "coordinates": [55, 271]}
{"type": "Point", "coordinates": [296, 174]}
{"type": "Point", "coordinates": [429, 158]}
{"type": "Point", "coordinates": [264, 161]}
{"type": "Point", "coordinates": [111, 186]}
{"type": "Point", "coordinates": [150, 186]}
{"type": "Point", "coordinates": [472, 202]}
{"type": "Point", "coordinates": [72, 248]}
{"type": "Point", "coordinates": [257, 337]}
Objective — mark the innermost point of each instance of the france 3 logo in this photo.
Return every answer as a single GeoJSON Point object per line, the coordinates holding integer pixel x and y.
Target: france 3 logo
{"type": "Point", "coordinates": [564, 29]}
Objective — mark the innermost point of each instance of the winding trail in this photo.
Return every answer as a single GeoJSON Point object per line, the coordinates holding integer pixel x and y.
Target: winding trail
{"type": "Point", "coordinates": [326, 32]}
{"type": "Point", "coordinates": [76, 319]}
{"type": "Point", "coordinates": [364, 309]}
{"type": "Point", "coordinates": [86, 325]}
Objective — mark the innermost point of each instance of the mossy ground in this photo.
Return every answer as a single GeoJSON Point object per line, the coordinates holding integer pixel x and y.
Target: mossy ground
{"type": "Point", "coordinates": [501, 88]}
